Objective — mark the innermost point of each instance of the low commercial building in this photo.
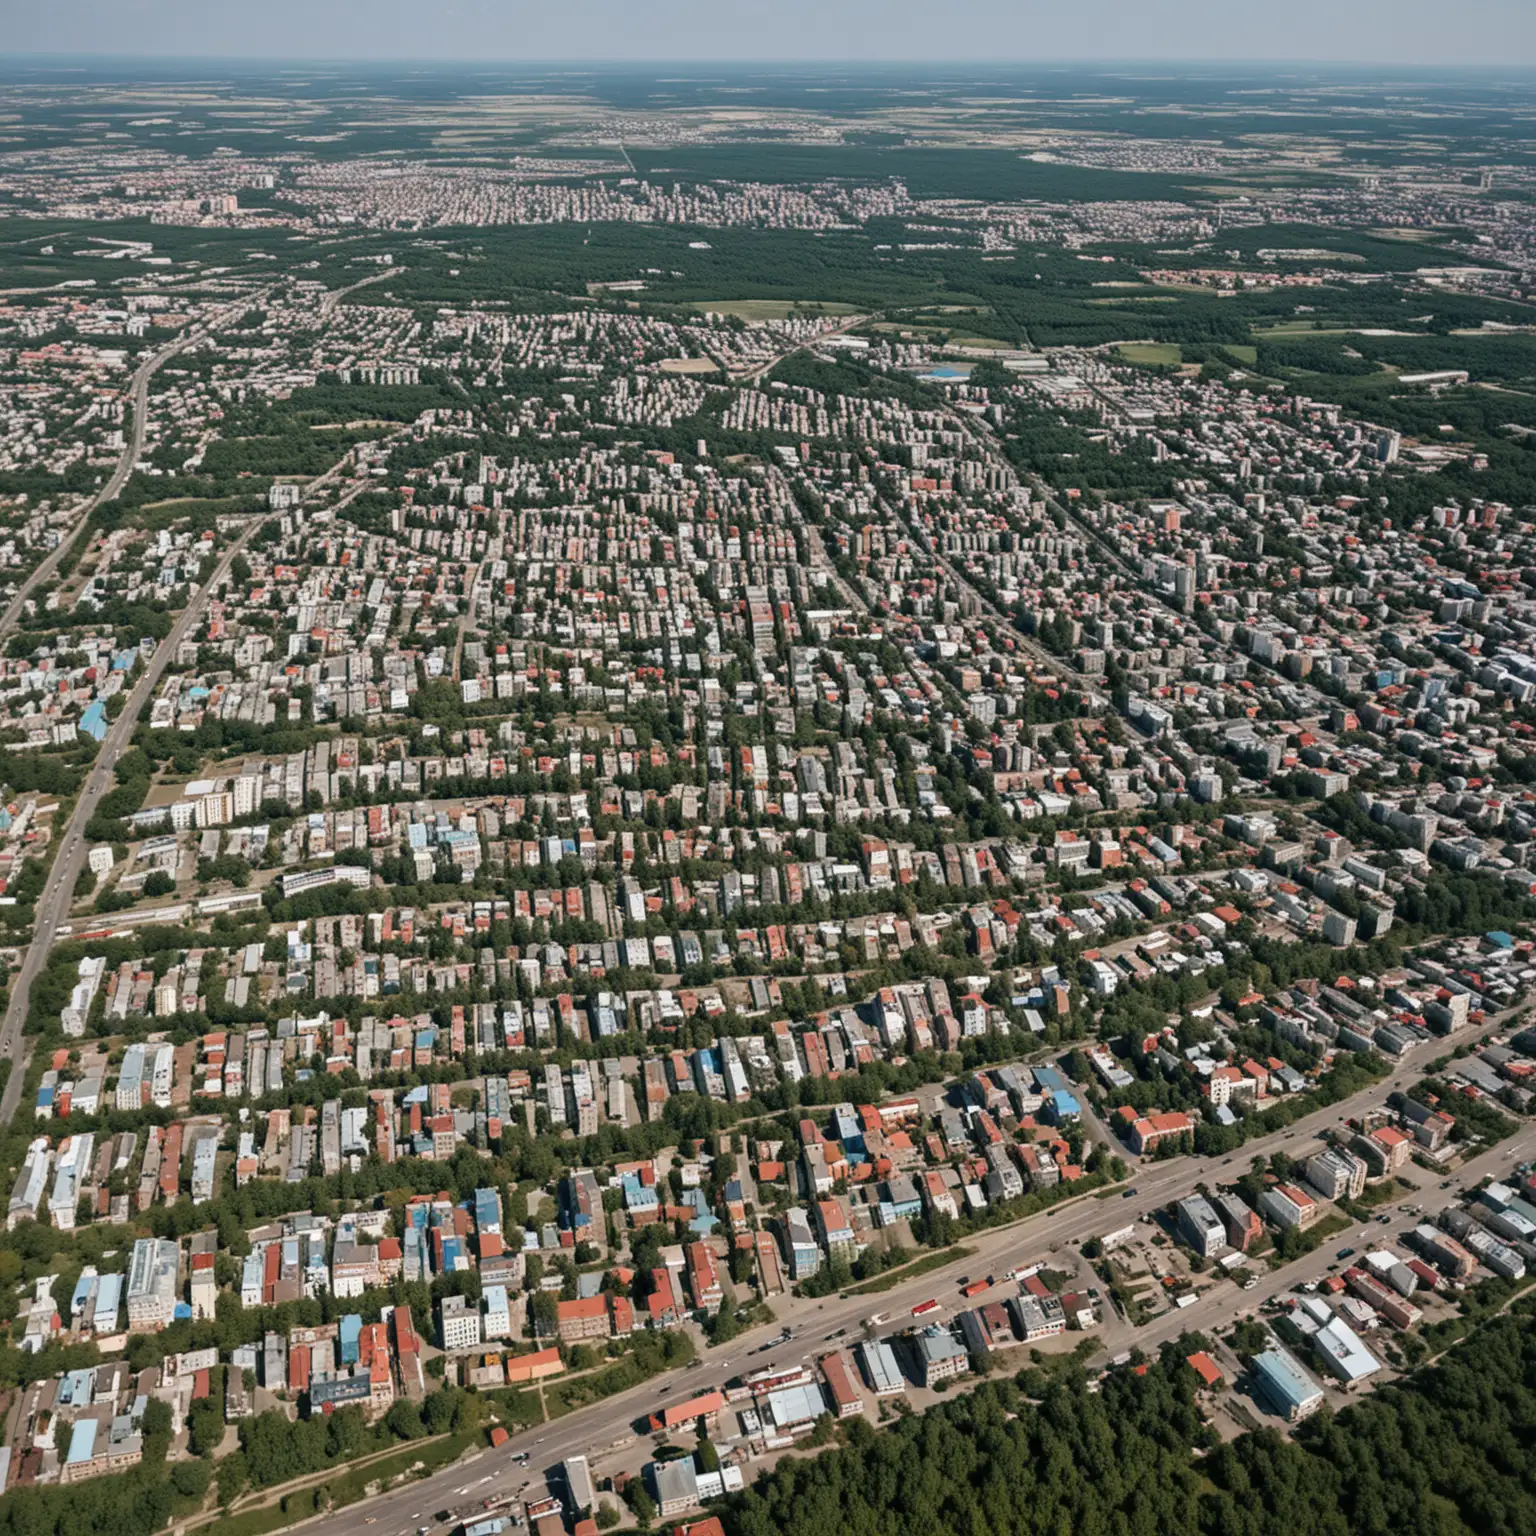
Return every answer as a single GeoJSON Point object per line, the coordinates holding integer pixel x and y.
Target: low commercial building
{"type": "Point", "coordinates": [1292, 1393]}
{"type": "Point", "coordinates": [583, 1318]}
{"type": "Point", "coordinates": [706, 1407]}
{"type": "Point", "coordinates": [878, 1362]}
{"type": "Point", "coordinates": [841, 1387]}
{"type": "Point", "coordinates": [1241, 1221]}
{"type": "Point", "coordinates": [458, 1323]}
{"type": "Point", "coordinates": [795, 1408]}
{"type": "Point", "coordinates": [152, 1284]}
{"type": "Point", "coordinates": [1039, 1317]}
{"type": "Point", "coordinates": [675, 1485]}
{"type": "Point", "coordinates": [1287, 1206]}
{"type": "Point", "coordinates": [1201, 1227]}
{"type": "Point", "coordinates": [940, 1356]}
{"type": "Point", "coordinates": [1343, 1353]}
{"type": "Point", "coordinates": [1336, 1174]}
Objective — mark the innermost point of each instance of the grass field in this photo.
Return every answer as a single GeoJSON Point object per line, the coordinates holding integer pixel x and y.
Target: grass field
{"type": "Point", "coordinates": [1241, 352]}
{"type": "Point", "coordinates": [689, 365]}
{"type": "Point", "coordinates": [772, 309]}
{"type": "Point", "coordinates": [894, 1277]}
{"type": "Point", "coordinates": [1150, 352]}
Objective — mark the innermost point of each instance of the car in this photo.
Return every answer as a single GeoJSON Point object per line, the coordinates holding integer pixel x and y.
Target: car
{"type": "Point", "coordinates": [1384, 1220]}
{"type": "Point", "coordinates": [1129, 1194]}
{"type": "Point", "coordinates": [1345, 1253]}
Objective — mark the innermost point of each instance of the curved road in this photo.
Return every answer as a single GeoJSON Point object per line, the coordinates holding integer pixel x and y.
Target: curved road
{"type": "Point", "coordinates": [138, 400]}
{"type": "Point", "coordinates": [58, 892]}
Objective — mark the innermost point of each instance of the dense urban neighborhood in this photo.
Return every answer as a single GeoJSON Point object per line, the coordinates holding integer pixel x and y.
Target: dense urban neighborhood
{"type": "Point", "coordinates": [615, 875]}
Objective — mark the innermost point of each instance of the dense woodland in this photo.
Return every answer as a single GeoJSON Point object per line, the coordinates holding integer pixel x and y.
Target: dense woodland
{"type": "Point", "coordinates": [1447, 1451]}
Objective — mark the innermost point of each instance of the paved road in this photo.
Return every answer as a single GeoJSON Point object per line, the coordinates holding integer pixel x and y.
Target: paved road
{"type": "Point", "coordinates": [336, 295]}
{"type": "Point", "coordinates": [1218, 1308]}
{"type": "Point", "coordinates": [58, 893]}
{"type": "Point", "coordinates": [753, 374]}
{"type": "Point", "coordinates": [138, 400]}
{"type": "Point", "coordinates": [606, 1429]}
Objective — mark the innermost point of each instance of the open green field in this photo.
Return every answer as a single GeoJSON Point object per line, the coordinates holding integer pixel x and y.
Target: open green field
{"type": "Point", "coordinates": [772, 309]}
{"type": "Point", "coordinates": [1150, 352]}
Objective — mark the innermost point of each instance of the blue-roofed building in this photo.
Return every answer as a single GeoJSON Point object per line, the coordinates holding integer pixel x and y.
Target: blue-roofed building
{"type": "Point", "coordinates": [706, 1072]}
{"type": "Point", "coordinates": [82, 1446]}
{"type": "Point", "coordinates": [899, 1200]}
{"type": "Point", "coordinates": [1501, 940]}
{"type": "Point", "coordinates": [487, 1210]}
{"type": "Point", "coordinates": [350, 1333]}
{"type": "Point", "coordinates": [1286, 1385]}
{"type": "Point", "coordinates": [77, 1388]}
{"type": "Point", "coordinates": [413, 1252]}
{"type": "Point", "coordinates": [848, 1130]}
{"type": "Point", "coordinates": [703, 1221]}
{"type": "Point", "coordinates": [93, 722]}
{"type": "Point", "coordinates": [1062, 1107]}
{"type": "Point", "coordinates": [109, 1298]}
{"type": "Point", "coordinates": [640, 1198]}
{"type": "Point", "coordinates": [1049, 1080]}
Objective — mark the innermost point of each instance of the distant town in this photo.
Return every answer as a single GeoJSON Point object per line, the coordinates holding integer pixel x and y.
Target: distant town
{"type": "Point", "coordinates": [622, 861]}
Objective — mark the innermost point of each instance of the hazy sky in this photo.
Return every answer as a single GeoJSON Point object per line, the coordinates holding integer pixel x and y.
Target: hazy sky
{"type": "Point", "coordinates": [1500, 32]}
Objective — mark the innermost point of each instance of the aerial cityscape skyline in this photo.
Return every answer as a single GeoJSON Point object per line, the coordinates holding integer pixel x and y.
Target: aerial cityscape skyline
{"type": "Point", "coordinates": [767, 798]}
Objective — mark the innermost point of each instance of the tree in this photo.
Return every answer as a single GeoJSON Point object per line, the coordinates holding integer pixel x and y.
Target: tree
{"type": "Point", "coordinates": [404, 1419]}
{"type": "Point", "coordinates": [546, 1314]}
{"type": "Point", "coordinates": [641, 1503]}
{"type": "Point", "coordinates": [156, 1428]}
{"type": "Point", "coordinates": [437, 1411]}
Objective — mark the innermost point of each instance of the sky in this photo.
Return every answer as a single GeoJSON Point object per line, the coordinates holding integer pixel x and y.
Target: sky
{"type": "Point", "coordinates": [1426, 32]}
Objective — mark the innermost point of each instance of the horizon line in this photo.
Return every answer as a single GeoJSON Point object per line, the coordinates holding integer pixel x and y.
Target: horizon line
{"type": "Point", "coordinates": [1161, 62]}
